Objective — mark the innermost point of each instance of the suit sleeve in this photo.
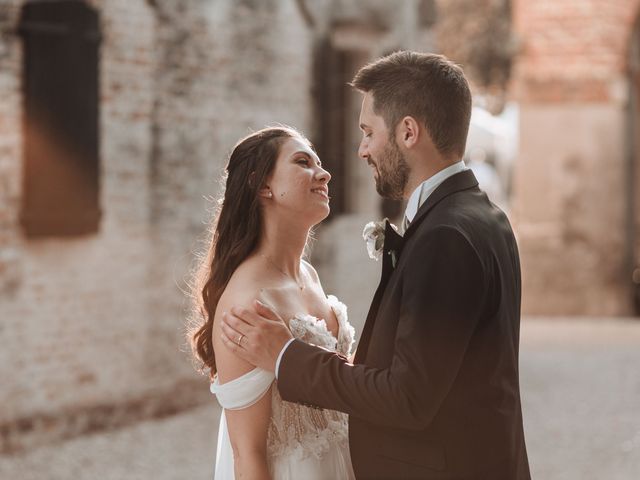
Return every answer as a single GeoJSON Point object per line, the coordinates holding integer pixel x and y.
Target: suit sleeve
{"type": "Point", "coordinates": [443, 291]}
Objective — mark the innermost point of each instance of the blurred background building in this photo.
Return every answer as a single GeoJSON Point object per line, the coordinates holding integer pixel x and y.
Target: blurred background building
{"type": "Point", "coordinates": [116, 120]}
{"type": "Point", "coordinates": [576, 201]}
{"type": "Point", "coordinates": [117, 117]}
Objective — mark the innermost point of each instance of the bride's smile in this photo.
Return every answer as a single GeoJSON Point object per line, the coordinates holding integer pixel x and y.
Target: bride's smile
{"type": "Point", "coordinates": [298, 187]}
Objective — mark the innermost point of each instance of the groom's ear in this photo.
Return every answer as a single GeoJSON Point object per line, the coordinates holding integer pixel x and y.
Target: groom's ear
{"type": "Point", "coordinates": [409, 131]}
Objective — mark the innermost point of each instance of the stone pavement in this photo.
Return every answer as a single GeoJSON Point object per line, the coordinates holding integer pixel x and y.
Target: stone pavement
{"type": "Point", "coordinates": [581, 391]}
{"type": "Point", "coordinates": [580, 382]}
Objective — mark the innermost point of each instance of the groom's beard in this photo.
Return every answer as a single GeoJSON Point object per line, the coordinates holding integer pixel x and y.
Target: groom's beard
{"type": "Point", "coordinates": [393, 172]}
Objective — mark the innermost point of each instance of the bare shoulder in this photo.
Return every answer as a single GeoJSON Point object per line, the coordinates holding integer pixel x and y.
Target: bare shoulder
{"type": "Point", "coordinates": [243, 286]}
{"type": "Point", "coordinates": [241, 291]}
{"type": "Point", "coordinates": [253, 281]}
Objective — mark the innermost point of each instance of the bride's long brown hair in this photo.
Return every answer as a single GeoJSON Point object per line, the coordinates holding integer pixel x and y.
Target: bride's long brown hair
{"type": "Point", "coordinates": [234, 232]}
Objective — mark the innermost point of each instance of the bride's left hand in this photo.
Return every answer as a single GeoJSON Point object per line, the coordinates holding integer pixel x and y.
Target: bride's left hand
{"type": "Point", "coordinates": [255, 336]}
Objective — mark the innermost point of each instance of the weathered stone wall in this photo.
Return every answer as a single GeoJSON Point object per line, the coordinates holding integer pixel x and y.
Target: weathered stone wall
{"type": "Point", "coordinates": [569, 205]}
{"type": "Point", "coordinates": [74, 322]}
{"type": "Point", "coordinates": [92, 327]}
{"type": "Point", "coordinates": [223, 70]}
{"type": "Point", "coordinates": [10, 151]}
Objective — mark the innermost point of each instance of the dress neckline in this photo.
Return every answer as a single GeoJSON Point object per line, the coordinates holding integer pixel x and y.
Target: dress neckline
{"type": "Point", "coordinates": [332, 300]}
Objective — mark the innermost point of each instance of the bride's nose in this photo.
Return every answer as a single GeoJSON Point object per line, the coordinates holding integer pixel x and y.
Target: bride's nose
{"type": "Point", "coordinates": [323, 175]}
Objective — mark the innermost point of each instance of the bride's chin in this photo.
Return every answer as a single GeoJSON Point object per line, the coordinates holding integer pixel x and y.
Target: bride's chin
{"type": "Point", "coordinates": [320, 214]}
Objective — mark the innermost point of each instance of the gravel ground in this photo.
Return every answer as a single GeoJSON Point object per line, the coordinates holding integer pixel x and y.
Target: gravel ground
{"type": "Point", "coordinates": [581, 392]}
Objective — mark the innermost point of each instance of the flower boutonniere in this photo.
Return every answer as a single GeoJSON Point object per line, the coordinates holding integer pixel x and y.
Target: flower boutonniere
{"type": "Point", "coordinates": [373, 235]}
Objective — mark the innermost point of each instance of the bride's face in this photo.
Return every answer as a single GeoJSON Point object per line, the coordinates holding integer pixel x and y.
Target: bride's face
{"type": "Point", "coordinates": [299, 185]}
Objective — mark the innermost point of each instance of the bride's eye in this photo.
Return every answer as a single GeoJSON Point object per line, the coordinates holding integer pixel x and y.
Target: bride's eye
{"type": "Point", "coordinates": [303, 161]}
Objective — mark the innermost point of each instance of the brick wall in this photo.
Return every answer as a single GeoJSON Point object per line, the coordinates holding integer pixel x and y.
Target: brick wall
{"type": "Point", "coordinates": [92, 327]}
{"type": "Point", "coordinates": [572, 50]}
{"type": "Point", "coordinates": [570, 202]}
{"type": "Point", "coordinates": [10, 148]}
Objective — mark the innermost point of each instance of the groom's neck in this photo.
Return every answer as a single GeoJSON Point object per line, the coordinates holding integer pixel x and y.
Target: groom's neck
{"type": "Point", "coordinates": [422, 171]}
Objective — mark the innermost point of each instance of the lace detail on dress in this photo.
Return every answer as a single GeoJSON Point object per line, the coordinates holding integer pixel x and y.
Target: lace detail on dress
{"type": "Point", "coordinates": [346, 333]}
{"type": "Point", "coordinates": [300, 431]}
{"type": "Point", "coordinates": [311, 330]}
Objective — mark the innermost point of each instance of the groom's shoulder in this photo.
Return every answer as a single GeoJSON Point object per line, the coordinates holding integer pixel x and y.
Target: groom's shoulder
{"type": "Point", "coordinates": [452, 220]}
{"type": "Point", "coordinates": [438, 233]}
{"type": "Point", "coordinates": [463, 210]}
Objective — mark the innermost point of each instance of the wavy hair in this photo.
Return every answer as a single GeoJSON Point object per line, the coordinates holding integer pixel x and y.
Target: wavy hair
{"type": "Point", "coordinates": [234, 232]}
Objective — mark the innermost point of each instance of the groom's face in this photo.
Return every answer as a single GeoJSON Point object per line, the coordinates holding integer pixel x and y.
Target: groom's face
{"type": "Point", "coordinates": [380, 149]}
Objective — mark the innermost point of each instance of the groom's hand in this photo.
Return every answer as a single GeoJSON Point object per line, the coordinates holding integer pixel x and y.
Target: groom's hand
{"type": "Point", "coordinates": [255, 336]}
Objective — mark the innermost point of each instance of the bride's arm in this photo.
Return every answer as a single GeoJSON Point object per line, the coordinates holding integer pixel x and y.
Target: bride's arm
{"type": "Point", "coordinates": [248, 426]}
{"type": "Point", "coordinates": [248, 435]}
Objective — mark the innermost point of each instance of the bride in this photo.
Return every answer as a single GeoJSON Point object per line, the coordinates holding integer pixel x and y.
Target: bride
{"type": "Point", "coordinates": [276, 190]}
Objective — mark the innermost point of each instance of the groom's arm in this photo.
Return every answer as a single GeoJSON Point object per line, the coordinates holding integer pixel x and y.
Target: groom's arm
{"type": "Point", "coordinates": [443, 294]}
{"type": "Point", "coordinates": [280, 355]}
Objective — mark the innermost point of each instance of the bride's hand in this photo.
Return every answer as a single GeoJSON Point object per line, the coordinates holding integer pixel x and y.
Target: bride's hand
{"type": "Point", "coordinates": [257, 336]}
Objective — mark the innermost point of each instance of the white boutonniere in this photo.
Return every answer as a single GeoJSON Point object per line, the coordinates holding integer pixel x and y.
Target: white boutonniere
{"type": "Point", "coordinates": [373, 235]}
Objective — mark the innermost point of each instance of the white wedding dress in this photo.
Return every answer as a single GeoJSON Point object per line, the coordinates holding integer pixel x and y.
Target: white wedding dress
{"type": "Point", "coordinates": [302, 442]}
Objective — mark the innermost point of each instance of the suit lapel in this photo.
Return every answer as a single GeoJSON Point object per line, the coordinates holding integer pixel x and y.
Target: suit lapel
{"type": "Point", "coordinates": [393, 242]}
{"type": "Point", "coordinates": [391, 250]}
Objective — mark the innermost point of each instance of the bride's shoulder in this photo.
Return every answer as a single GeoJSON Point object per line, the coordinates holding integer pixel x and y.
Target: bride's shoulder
{"type": "Point", "coordinates": [252, 281]}
{"type": "Point", "coordinates": [242, 289]}
{"type": "Point", "coordinates": [244, 284]}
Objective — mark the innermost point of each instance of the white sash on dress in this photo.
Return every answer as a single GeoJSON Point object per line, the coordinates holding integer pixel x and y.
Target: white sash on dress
{"type": "Point", "coordinates": [244, 391]}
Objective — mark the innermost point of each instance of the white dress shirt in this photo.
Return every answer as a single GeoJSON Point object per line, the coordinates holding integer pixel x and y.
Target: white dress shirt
{"type": "Point", "coordinates": [426, 188]}
{"type": "Point", "coordinates": [417, 198]}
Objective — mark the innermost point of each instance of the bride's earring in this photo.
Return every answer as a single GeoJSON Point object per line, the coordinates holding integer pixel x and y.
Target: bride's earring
{"type": "Point", "coordinates": [265, 192]}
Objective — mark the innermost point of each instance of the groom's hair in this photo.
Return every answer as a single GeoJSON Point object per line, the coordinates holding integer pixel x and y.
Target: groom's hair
{"type": "Point", "coordinates": [427, 87]}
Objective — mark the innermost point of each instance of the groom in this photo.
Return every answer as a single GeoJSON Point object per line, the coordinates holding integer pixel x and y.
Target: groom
{"type": "Point", "coordinates": [433, 392]}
